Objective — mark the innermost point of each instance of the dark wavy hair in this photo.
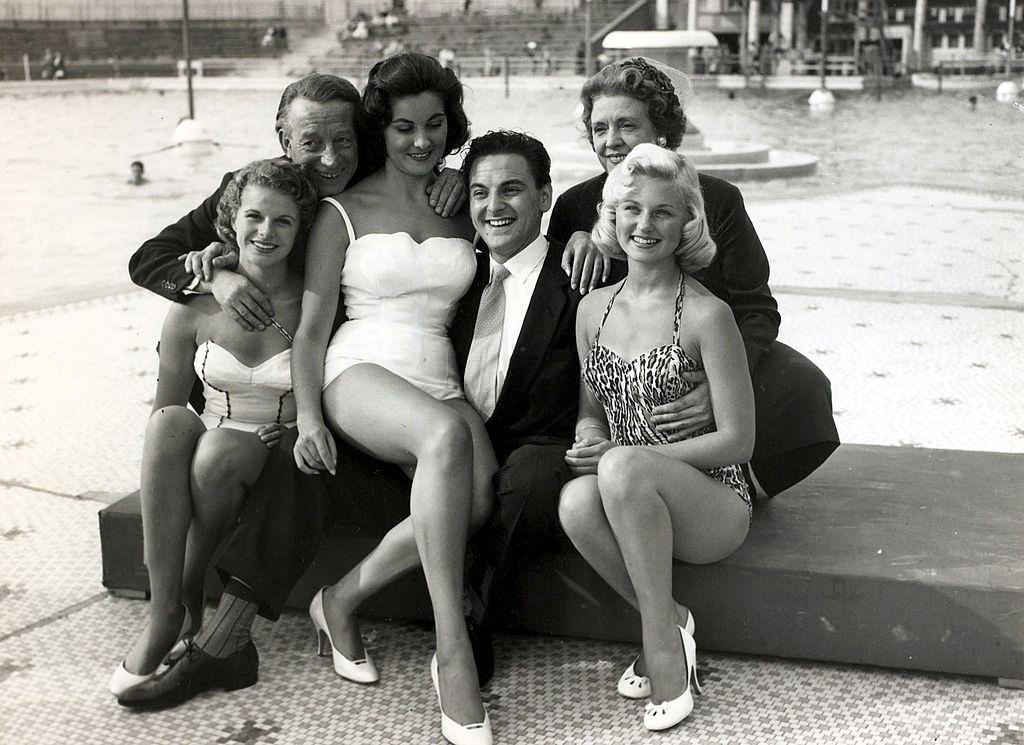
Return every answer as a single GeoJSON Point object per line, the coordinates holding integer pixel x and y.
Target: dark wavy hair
{"type": "Point", "coordinates": [408, 74]}
{"type": "Point", "coordinates": [503, 142]}
{"type": "Point", "coordinates": [278, 175]}
{"type": "Point", "coordinates": [637, 78]}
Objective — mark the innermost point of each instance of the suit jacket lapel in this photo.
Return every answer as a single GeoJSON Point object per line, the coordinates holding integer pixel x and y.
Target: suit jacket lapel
{"type": "Point", "coordinates": [539, 326]}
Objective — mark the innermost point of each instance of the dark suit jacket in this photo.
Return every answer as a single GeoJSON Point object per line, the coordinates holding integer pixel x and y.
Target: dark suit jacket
{"type": "Point", "coordinates": [738, 274]}
{"type": "Point", "coordinates": [540, 397]}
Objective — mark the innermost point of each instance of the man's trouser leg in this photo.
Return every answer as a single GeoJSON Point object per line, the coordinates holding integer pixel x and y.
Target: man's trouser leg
{"type": "Point", "coordinates": [525, 517]}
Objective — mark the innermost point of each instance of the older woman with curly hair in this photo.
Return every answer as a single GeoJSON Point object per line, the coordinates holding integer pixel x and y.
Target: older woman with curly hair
{"type": "Point", "coordinates": [639, 500]}
{"type": "Point", "coordinates": [634, 101]}
{"type": "Point", "coordinates": [195, 469]}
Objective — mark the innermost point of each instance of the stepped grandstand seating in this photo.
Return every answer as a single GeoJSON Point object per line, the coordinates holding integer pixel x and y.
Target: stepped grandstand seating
{"type": "Point", "coordinates": [100, 40]}
{"type": "Point", "coordinates": [473, 36]}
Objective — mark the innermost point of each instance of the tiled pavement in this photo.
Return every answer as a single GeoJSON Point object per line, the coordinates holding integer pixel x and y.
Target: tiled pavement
{"type": "Point", "coordinates": [910, 300]}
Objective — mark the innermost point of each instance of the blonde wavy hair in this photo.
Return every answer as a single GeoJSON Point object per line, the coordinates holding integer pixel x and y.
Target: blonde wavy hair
{"type": "Point", "coordinates": [696, 249]}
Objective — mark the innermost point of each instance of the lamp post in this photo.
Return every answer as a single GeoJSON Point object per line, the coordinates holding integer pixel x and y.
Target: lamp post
{"type": "Point", "coordinates": [822, 101]}
{"type": "Point", "coordinates": [188, 57]}
{"type": "Point", "coordinates": [1009, 38]}
{"type": "Point", "coordinates": [824, 39]}
{"type": "Point", "coordinates": [588, 61]}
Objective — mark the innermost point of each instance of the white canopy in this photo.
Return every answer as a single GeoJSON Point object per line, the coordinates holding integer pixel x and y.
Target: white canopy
{"type": "Point", "coordinates": [659, 39]}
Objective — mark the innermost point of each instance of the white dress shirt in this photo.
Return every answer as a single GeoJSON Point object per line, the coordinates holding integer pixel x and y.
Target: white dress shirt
{"type": "Point", "coordinates": [524, 270]}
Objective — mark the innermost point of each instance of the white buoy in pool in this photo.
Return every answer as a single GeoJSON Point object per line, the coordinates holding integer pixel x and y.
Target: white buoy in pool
{"type": "Point", "coordinates": [822, 99]}
{"type": "Point", "coordinates": [190, 130]}
{"type": "Point", "coordinates": [1007, 91]}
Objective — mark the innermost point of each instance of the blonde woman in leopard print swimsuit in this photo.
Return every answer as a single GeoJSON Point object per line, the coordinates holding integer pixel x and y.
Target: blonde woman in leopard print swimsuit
{"type": "Point", "coordinates": [640, 501]}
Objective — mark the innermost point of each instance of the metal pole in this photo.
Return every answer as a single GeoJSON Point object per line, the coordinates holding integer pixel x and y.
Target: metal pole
{"type": "Point", "coordinates": [1009, 42]}
{"type": "Point", "coordinates": [588, 59]}
{"type": "Point", "coordinates": [27, 65]}
{"type": "Point", "coordinates": [188, 57]}
{"type": "Point", "coordinates": [824, 38]}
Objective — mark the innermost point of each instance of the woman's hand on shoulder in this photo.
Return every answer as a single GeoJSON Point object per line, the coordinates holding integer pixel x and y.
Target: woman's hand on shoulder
{"type": "Point", "coordinates": [447, 194]}
{"type": "Point", "coordinates": [315, 450]}
{"type": "Point", "coordinates": [584, 263]}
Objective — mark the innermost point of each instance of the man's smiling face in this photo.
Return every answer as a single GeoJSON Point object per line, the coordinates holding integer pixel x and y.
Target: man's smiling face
{"type": "Point", "coordinates": [321, 137]}
{"type": "Point", "coordinates": [505, 203]}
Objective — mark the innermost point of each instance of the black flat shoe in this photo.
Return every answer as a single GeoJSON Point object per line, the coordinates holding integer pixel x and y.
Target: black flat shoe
{"type": "Point", "coordinates": [191, 675]}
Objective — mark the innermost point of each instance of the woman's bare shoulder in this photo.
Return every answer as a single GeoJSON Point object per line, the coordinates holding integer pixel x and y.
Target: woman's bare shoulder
{"type": "Point", "coordinates": [702, 305]}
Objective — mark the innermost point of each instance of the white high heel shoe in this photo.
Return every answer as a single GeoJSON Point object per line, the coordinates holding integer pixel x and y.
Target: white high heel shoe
{"type": "Point", "coordinates": [670, 713]}
{"type": "Point", "coordinates": [460, 734]}
{"type": "Point", "coordinates": [635, 686]}
{"type": "Point", "coordinates": [122, 680]}
{"type": "Point", "coordinates": [358, 671]}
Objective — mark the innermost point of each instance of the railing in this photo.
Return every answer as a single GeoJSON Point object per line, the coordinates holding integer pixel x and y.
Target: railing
{"type": "Point", "coordinates": [160, 10]}
{"type": "Point", "coordinates": [992, 65]}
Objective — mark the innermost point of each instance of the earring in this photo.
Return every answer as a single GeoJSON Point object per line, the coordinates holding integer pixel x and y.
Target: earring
{"type": "Point", "coordinates": [662, 141]}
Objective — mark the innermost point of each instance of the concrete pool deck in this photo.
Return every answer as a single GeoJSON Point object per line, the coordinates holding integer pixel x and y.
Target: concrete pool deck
{"type": "Point", "coordinates": [919, 323]}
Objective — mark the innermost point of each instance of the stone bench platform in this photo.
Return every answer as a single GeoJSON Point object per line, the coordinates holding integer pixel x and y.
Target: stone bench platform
{"type": "Point", "coordinates": [897, 557]}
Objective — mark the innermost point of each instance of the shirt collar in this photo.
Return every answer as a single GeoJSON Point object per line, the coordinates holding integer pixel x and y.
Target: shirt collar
{"type": "Point", "coordinates": [522, 265]}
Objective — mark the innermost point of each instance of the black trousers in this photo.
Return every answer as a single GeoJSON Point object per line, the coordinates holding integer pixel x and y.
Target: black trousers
{"type": "Point", "coordinates": [284, 518]}
{"type": "Point", "coordinates": [525, 517]}
{"type": "Point", "coordinates": [286, 513]}
{"type": "Point", "coordinates": [795, 430]}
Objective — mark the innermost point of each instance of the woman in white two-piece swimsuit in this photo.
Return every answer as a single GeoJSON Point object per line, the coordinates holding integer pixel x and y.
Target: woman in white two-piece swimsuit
{"type": "Point", "coordinates": [387, 381]}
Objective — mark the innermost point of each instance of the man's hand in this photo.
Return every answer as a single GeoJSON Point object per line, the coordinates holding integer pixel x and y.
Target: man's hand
{"type": "Point", "coordinates": [586, 266]}
{"type": "Point", "coordinates": [270, 434]}
{"type": "Point", "coordinates": [584, 455]}
{"type": "Point", "coordinates": [315, 450]}
{"type": "Point", "coordinates": [202, 263]}
{"type": "Point", "coordinates": [681, 418]}
{"type": "Point", "coordinates": [447, 193]}
{"type": "Point", "coordinates": [243, 301]}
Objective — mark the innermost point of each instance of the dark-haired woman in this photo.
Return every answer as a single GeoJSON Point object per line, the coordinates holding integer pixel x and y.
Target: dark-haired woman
{"type": "Point", "coordinates": [387, 381]}
{"type": "Point", "coordinates": [195, 468]}
{"type": "Point", "coordinates": [630, 102]}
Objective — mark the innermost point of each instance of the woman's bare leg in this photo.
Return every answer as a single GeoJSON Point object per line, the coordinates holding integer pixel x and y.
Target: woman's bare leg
{"type": "Point", "coordinates": [225, 464]}
{"type": "Point", "coordinates": [392, 420]}
{"type": "Point", "coordinates": [660, 508]}
{"type": "Point", "coordinates": [581, 514]}
{"type": "Point", "coordinates": [171, 436]}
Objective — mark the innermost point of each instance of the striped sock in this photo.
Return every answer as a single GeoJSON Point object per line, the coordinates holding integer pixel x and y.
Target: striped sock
{"type": "Point", "coordinates": [231, 627]}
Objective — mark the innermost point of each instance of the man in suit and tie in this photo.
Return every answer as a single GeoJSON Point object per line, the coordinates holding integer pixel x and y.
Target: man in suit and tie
{"type": "Point", "coordinates": [514, 337]}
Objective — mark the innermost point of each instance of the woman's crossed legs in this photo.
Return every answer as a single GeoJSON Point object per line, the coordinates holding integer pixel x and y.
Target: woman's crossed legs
{"type": "Point", "coordinates": [192, 486]}
{"type": "Point", "coordinates": [640, 511]}
{"type": "Point", "coordinates": [445, 447]}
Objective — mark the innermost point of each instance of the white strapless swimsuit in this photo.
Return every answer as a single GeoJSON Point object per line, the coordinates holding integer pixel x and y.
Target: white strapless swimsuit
{"type": "Point", "coordinates": [400, 297]}
{"type": "Point", "coordinates": [243, 397]}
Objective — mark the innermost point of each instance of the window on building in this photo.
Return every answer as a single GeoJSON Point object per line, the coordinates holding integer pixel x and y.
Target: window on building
{"type": "Point", "coordinates": [936, 41]}
{"type": "Point", "coordinates": [958, 15]}
{"type": "Point", "coordinates": [901, 15]}
{"type": "Point", "coordinates": [942, 15]}
{"type": "Point", "coordinates": [1002, 14]}
{"type": "Point", "coordinates": [961, 41]}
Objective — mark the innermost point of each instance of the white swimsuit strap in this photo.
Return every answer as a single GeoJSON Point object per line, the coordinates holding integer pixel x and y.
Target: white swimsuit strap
{"type": "Point", "coordinates": [344, 216]}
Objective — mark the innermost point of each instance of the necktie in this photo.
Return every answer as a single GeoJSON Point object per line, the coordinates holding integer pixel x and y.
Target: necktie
{"type": "Point", "coordinates": [482, 365]}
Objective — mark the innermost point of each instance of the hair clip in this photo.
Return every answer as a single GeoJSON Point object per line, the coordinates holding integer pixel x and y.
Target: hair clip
{"type": "Point", "coordinates": [647, 70]}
